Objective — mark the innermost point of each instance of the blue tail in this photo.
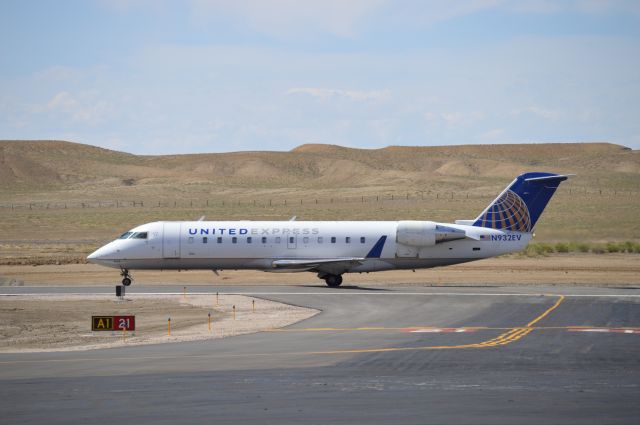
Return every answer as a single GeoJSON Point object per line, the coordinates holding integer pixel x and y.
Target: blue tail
{"type": "Point", "coordinates": [520, 205]}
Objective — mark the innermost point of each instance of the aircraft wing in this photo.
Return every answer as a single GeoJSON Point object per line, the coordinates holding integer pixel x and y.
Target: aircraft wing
{"type": "Point", "coordinates": [328, 265]}
{"type": "Point", "coordinates": [315, 263]}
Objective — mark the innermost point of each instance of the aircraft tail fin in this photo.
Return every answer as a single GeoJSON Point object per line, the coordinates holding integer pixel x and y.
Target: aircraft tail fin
{"type": "Point", "coordinates": [520, 205]}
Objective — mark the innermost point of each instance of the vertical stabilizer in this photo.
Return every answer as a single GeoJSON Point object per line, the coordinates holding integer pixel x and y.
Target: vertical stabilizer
{"type": "Point", "coordinates": [520, 205]}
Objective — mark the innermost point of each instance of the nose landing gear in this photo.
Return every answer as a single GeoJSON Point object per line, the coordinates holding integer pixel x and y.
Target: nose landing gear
{"type": "Point", "coordinates": [126, 277]}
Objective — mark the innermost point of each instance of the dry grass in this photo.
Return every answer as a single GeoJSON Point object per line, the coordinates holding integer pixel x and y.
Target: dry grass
{"type": "Point", "coordinates": [278, 185]}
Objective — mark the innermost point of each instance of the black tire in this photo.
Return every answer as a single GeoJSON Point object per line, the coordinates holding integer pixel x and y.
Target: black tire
{"type": "Point", "coordinates": [126, 281]}
{"type": "Point", "coordinates": [333, 281]}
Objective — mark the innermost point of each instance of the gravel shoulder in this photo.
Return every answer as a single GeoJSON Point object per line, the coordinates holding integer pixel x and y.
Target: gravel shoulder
{"type": "Point", "coordinates": [63, 323]}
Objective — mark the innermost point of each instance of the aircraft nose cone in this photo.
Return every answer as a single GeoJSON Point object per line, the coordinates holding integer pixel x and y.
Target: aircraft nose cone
{"type": "Point", "coordinates": [102, 254]}
{"type": "Point", "coordinates": [95, 255]}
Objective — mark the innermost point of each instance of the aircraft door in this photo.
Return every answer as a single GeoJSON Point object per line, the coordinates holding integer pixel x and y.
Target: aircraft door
{"type": "Point", "coordinates": [171, 240]}
{"type": "Point", "coordinates": [292, 242]}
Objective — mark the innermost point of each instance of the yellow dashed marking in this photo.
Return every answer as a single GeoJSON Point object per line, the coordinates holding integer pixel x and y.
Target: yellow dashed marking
{"type": "Point", "coordinates": [512, 335]}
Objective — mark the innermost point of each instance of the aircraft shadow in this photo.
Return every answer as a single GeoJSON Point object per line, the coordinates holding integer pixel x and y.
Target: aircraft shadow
{"type": "Point", "coordinates": [359, 288]}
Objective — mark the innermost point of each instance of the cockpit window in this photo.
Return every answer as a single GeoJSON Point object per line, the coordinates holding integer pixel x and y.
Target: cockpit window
{"type": "Point", "coordinates": [139, 235]}
{"type": "Point", "coordinates": [125, 235]}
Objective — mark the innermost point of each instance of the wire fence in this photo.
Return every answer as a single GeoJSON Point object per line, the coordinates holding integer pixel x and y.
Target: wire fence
{"type": "Point", "coordinates": [226, 201]}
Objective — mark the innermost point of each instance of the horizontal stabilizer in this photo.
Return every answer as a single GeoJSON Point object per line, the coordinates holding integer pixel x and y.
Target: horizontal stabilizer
{"type": "Point", "coordinates": [557, 177]}
{"type": "Point", "coordinates": [465, 222]}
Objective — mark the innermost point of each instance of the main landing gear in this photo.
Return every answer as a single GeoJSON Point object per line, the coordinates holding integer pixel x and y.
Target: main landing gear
{"type": "Point", "coordinates": [332, 280]}
{"type": "Point", "coordinates": [126, 277]}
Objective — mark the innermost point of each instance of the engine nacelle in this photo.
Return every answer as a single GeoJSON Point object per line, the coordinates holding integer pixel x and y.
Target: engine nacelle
{"type": "Point", "coordinates": [426, 233]}
{"type": "Point", "coordinates": [416, 233]}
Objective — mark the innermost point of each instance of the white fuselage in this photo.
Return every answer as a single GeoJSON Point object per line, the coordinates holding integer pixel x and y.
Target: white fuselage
{"type": "Point", "coordinates": [334, 247]}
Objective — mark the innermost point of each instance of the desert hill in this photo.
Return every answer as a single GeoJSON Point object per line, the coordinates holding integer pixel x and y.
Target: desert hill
{"type": "Point", "coordinates": [61, 191]}
{"type": "Point", "coordinates": [37, 166]}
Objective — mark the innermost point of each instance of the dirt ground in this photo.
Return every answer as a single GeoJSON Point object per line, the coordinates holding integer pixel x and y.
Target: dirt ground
{"type": "Point", "coordinates": [557, 269]}
{"type": "Point", "coordinates": [63, 323]}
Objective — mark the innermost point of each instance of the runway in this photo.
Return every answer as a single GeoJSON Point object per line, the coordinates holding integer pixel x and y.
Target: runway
{"type": "Point", "coordinates": [380, 354]}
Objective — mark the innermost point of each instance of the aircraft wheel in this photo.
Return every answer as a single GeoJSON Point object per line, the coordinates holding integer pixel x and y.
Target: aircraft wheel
{"type": "Point", "coordinates": [126, 281]}
{"type": "Point", "coordinates": [333, 281]}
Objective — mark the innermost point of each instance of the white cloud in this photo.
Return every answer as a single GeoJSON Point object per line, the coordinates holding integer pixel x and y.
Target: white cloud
{"type": "Point", "coordinates": [62, 101]}
{"type": "Point", "coordinates": [493, 135]}
{"type": "Point", "coordinates": [547, 114]}
{"type": "Point", "coordinates": [57, 73]}
{"type": "Point", "coordinates": [286, 18]}
{"type": "Point", "coordinates": [354, 95]}
{"type": "Point", "coordinates": [454, 119]}
{"type": "Point", "coordinates": [593, 7]}
{"type": "Point", "coordinates": [426, 12]}
{"type": "Point", "coordinates": [89, 110]}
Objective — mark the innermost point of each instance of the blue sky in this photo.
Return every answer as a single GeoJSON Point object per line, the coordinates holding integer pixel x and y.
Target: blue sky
{"type": "Point", "coordinates": [158, 77]}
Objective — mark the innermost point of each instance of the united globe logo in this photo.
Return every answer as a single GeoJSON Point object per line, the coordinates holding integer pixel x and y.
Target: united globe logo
{"type": "Point", "coordinates": [509, 212]}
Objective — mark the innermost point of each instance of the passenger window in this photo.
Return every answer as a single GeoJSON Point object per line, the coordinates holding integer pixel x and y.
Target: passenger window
{"type": "Point", "coordinates": [264, 239]}
{"type": "Point", "coordinates": [476, 249]}
{"type": "Point", "coordinates": [320, 240]}
{"type": "Point", "coordinates": [277, 239]}
{"type": "Point", "coordinates": [347, 239]}
{"type": "Point", "coordinates": [333, 239]}
{"type": "Point", "coordinates": [248, 239]}
{"type": "Point", "coordinates": [205, 239]}
{"type": "Point", "coordinates": [234, 239]}
{"type": "Point", "coordinates": [219, 239]}
{"type": "Point", "coordinates": [190, 239]}
{"type": "Point", "coordinates": [361, 239]}
{"type": "Point", "coordinates": [305, 240]}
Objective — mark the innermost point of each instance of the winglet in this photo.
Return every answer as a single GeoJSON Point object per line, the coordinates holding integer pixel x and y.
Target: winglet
{"type": "Point", "coordinates": [376, 251]}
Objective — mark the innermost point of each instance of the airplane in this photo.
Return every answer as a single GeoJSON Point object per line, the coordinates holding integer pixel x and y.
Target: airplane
{"type": "Point", "coordinates": [332, 248]}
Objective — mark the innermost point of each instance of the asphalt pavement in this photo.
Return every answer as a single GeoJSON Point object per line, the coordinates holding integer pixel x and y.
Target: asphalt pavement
{"type": "Point", "coordinates": [379, 354]}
